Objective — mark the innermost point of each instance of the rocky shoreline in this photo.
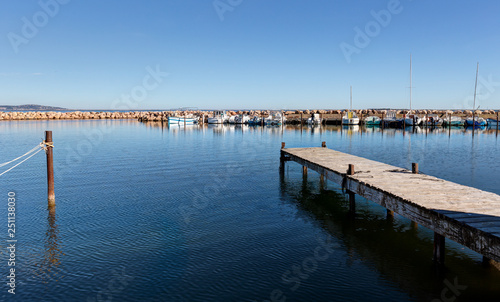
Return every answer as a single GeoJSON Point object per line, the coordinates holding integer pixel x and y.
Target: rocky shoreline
{"type": "Point", "coordinates": [163, 115]}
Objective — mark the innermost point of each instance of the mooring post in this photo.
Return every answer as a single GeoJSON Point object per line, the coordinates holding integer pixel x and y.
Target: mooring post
{"type": "Point", "coordinates": [382, 122]}
{"type": "Point", "coordinates": [390, 214]}
{"type": "Point", "coordinates": [439, 244]}
{"type": "Point", "coordinates": [323, 144]}
{"type": "Point", "coordinates": [497, 121]}
{"type": "Point", "coordinates": [282, 159]}
{"type": "Point", "coordinates": [300, 117]}
{"type": "Point", "coordinates": [352, 198]}
{"type": "Point", "coordinates": [304, 172]}
{"type": "Point", "coordinates": [50, 169]}
{"type": "Point", "coordinates": [414, 168]}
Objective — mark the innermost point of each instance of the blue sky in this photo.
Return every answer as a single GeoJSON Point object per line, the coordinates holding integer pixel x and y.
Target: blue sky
{"type": "Point", "coordinates": [249, 54]}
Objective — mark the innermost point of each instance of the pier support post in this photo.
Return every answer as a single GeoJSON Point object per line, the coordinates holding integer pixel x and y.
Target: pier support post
{"type": "Point", "coordinates": [390, 214]}
{"type": "Point", "coordinates": [486, 261]}
{"type": "Point", "coordinates": [352, 195]}
{"type": "Point", "coordinates": [439, 244]}
{"type": "Point", "coordinates": [323, 144]}
{"type": "Point", "coordinates": [414, 170]}
{"type": "Point", "coordinates": [304, 172]}
{"type": "Point", "coordinates": [50, 169]}
{"type": "Point", "coordinates": [282, 159]}
{"type": "Point", "coordinates": [497, 121]}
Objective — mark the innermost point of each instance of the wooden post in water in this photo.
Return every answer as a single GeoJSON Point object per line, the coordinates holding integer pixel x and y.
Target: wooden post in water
{"type": "Point", "coordinates": [322, 177]}
{"type": "Point", "coordinates": [301, 118]}
{"type": "Point", "coordinates": [439, 244]}
{"type": "Point", "coordinates": [382, 122]}
{"type": "Point", "coordinates": [50, 169]}
{"type": "Point", "coordinates": [282, 159]}
{"type": "Point", "coordinates": [304, 172]}
{"type": "Point", "coordinates": [414, 170]}
{"type": "Point", "coordinates": [497, 121]}
{"type": "Point", "coordinates": [352, 198]}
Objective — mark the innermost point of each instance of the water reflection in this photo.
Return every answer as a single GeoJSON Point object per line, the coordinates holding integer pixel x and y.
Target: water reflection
{"type": "Point", "coordinates": [391, 248]}
{"type": "Point", "coordinates": [48, 268]}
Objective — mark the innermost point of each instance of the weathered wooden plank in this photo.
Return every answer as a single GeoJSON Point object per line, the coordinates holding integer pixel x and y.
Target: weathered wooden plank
{"type": "Point", "coordinates": [466, 215]}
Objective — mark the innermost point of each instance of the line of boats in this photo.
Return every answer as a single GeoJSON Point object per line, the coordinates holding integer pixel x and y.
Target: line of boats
{"type": "Point", "coordinates": [431, 120]}
{"type": "Point", "coordinates": [221, 117]}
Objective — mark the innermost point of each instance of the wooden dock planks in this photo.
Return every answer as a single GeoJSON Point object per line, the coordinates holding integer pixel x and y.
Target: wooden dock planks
{"type": "Point", "coordinates": [466, 215]}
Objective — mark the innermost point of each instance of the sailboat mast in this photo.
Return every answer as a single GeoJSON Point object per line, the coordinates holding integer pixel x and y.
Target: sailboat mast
{"type": "Point", "coordinates": [475, 87]}
{"type": "Point", "coordinates": [410, 83]}
{"type": "Point", "coordinates": [351, 100]}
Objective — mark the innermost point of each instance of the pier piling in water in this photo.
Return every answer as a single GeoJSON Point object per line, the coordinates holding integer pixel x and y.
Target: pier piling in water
{"type": "Point", "coordinates": [50, 169]}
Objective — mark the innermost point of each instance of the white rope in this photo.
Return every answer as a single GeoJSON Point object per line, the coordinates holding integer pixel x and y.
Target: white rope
{"type": "Point", "coordinates": [21, 161]}
{"type": "Point", "coordinates": [32, 150]}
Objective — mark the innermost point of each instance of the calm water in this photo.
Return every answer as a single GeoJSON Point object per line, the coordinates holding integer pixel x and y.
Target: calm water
{"type": "Point", "coordinates": [146, 213]}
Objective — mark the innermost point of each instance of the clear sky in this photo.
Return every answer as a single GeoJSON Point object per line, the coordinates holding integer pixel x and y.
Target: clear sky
{"type": "Point", "coordinates": [249, 54]}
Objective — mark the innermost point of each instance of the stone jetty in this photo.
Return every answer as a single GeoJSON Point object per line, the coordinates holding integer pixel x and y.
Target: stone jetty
{"type": "Point", "coordinates": [291, 115]}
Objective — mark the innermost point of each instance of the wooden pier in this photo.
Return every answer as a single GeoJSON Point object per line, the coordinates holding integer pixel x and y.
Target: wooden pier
{"type": "Point", "coordinates": [463, 214]}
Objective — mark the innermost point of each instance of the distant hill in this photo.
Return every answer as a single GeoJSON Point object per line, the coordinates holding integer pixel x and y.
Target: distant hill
{"type": "Point", "coordinates": [29, 107]}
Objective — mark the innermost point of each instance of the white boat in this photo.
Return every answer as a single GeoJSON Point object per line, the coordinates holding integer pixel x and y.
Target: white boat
{"type": "Point", "coordinates": [478, 121]}
{"type": "Point", "coordinates": [433, 120]}
{"type": "Point", "coordinates": [314, 120]}
{"type": "Point", "coordinates": [181, 120]}
{"type": "Point", "coordinates": [350, 118]}
{"type": "Point", "coordinates": [275, 119]}
{"type": "Point", "coordinates": [454, 121]}
{"type": "Point", "coordinates": [241, 119]}
{"type": "Point", "coordinates": [232, 119]}
{"type": "Point", "coordinates": [219, 117]}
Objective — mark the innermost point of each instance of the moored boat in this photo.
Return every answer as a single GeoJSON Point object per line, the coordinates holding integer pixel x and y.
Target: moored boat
{"type": "Point", "coordinates": [372, 121]}
{"type": "Point", "coordinates": [350, 117]}
{"type": "Point", "coordinates": [180, 120]}
{"type": "Point", "coordinates": [314, 120]}
{"type": "Point", "coordinates": [477, 121]}
{"type": "Point", "coordinates": [219, 117]}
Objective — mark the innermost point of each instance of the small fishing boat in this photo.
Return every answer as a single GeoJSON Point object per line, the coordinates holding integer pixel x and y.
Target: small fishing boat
{"type": "Point", "coordinates": [219, 117]}
{"type": "Point", "coordinates": [180, 120]}
{"type": "Point", "coordinates": [492, 122]}
{"type": "Point", "coordinates": [372, 121]}
{"type": "Point", "coordinates": [314, 120]}
{"type": "Point", "coordinates": [241, 119]}
{"type": "Point", "coordinates": [391, 121]}
{"type": "Point", "coordinates": [478, 121]}
{"type": "Point", "coordinates": [255, 121]}
{"type": "Point", "coordinates": [433, 120]}
{"type": "Point", "coordinates": [275, 119]}
{"type": "Point", "coordinates": [454, 121]}
{"type": "Point", "coordinates": [350, 118]}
